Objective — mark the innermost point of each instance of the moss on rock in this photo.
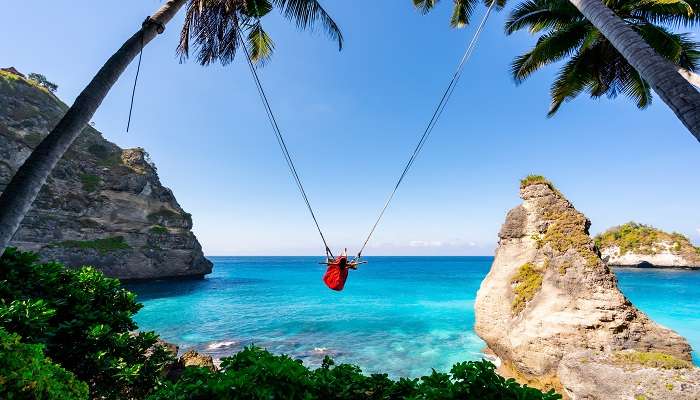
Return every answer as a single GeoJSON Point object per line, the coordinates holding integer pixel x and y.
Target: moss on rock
{"type": "Point", "coordinates": [651, 359]}
{"type": "Point", "coordinates": [527, 281]}
{"type": "Point", "coordinates": [102, 245]}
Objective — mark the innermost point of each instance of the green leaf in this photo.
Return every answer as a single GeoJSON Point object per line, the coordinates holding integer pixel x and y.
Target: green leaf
{"type": "Point", "coordinates": [260, 45]}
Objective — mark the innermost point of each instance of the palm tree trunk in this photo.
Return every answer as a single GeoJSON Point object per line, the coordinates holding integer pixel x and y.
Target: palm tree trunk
{"type": "Point", "coordinates": [661, 74]}
{"type": "Point", "coordinates": [20, 193]}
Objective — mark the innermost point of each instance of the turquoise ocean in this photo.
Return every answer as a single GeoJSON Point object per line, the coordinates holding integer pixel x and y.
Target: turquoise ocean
{"type": "Point", "coordinates": [401, 315]}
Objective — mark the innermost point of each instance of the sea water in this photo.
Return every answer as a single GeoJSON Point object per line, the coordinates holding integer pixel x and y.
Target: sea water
{"type": "Point", "coordinates": [400, 315]}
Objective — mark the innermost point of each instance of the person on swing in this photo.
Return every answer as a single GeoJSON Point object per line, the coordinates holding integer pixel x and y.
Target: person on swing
{"type": "Point", "coordinates": [337, 272]}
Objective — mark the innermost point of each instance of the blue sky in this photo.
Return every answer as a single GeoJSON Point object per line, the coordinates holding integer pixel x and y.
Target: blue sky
{"type": "Point", "coordinates": [351, 118]}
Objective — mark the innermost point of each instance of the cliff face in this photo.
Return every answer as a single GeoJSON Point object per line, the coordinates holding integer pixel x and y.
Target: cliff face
{"type": "Point", "coordinates": [633, 245]}
{"type": "Point", "coordinates": [551, 310]}
{"type": "Point", "coordinates": [101, 206]}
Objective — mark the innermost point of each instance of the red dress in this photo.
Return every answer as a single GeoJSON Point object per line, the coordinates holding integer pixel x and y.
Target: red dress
{"type": "Point", "coordinates": [337, 273]}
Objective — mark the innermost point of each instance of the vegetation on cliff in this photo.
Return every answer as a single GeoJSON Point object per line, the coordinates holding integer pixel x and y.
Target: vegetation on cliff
{"type": "Point", "coordinates": [527, 282]}
{"type": "Point", "coordinates": [64, 332]}
{"type": "Point", "coordinates": [538, 179]}
{"type": "Point", "coordinates": [638, 238]}
{"type": "Point", "coordinates": [651, 359]}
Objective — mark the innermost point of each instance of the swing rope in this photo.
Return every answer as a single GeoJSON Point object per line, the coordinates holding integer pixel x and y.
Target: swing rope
{"type": "Point", "coordinates": [424, 137]}
{"type": "Point", "coordinates": [283, 145]}
{"type": "Point", "coordinates": [160, 28]}
{"type": "Point", "coordinates": [433, 121]}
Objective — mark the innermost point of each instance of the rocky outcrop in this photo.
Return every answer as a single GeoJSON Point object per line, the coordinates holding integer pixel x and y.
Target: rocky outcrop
{"type": "Point", "coordinates": [551, 310]}
{"type": "Point", "coordinates": [101, 206]}
{"type": "Point", "coordinates": [638, 245]}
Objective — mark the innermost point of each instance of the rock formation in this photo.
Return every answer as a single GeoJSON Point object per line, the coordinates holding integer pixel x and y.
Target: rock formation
{"type": "Point", "coordinates": [637, 245]}
{"type": "Point", "coordinates": [551, 310]}
{"type": "Point", "coordinates": [101, 206]}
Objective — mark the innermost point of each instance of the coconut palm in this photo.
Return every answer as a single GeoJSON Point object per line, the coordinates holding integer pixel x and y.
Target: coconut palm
{"type": "Point", "coordinates": [593, 64]}
{"type": "Point", "coordinates": [462, 10]}
{"type": "Point", "coordinates": [215, 27]}
{"type": "Point", "coordinates": [658, 72]}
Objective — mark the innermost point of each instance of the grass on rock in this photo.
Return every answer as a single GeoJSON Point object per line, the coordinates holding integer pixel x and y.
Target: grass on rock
{"type": "Point", "coordinates": [102, 245]}
{"type": "Point", "coordinates": [527, 281]}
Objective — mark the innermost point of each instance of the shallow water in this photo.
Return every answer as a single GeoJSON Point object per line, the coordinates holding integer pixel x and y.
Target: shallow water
{"type": "Point", "coordinates": [401, 315]}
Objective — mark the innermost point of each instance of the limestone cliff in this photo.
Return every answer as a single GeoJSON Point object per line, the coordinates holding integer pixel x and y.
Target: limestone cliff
{"type": "Point", "coordinates": [633, 245]}
{"type": "Point", "coordinates": [551, 310]}
{"type": "Point", "coordinates": [102, 205]}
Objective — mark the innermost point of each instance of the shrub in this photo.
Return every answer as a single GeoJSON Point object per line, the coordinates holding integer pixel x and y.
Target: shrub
{"type": "Point", "coordinates": [41, 80]}
{"type": "Point", "coordinates": [102, 245]}
{"type": "Point", "coordinates": [255, 373]}
{"type": "Point", "coordinates": [90, 182]}
{"type": "Point", "coordinates": [159, 229]}
{"type": "Point", "coordinates": [27, 374]}
{"type": "Point", "coordinates": [84, 320]}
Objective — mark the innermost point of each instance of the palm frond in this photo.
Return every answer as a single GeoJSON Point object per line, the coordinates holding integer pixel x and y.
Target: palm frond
{"type": "Point", "coordinates": [258, 8]}
{"type": "Point", "coordinates": [680, 49]}
{"type": "Point", "coordinates": [550, 48]}
{"type": "Point", "coordinates": [670, 13]}
{"type": "Point", "coordinates": [538, 15]}
{"type": "Point", "coordinates": [573, 78]}
{"type": "Point", "coordinates": [638, 90]}
{"type": "Point", "coordinates": [307, 13]}
{"type": "Point", "coordinates": [462, 12]}
{"type": "Point", "coordinates": [424, 6]}
{"type": "Point", "coordinates": [260, 45]}
{"type": "Point", "coordinates": [214, 28]}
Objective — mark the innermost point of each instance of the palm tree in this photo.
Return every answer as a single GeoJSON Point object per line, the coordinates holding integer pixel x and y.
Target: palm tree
{"type": "Point", "coordinates": [659, 73]}
{"type": "Point", "coordinates": [594, 65]}
{"type": "Point", "coordinates": [217, 27]}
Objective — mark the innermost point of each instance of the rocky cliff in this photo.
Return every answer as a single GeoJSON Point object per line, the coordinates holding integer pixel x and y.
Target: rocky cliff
{"type": "Point", "coordinates": [634, 245]}
{"type": "Point", "coordinates": [551, 310]}
{"type": "Point", "coordinates": [101, 206]}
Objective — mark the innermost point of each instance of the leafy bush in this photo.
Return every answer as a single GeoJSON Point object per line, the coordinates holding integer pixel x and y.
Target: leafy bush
{"type": "Point", "coordinates": [41, 80]}
{"type": "Point", "coordinates": [25, 373]}
{"type": "Point", "coordinates": [255, 373]}
{"type": "Point", "coordinates": [84, 321]}
{"type": "Point", "coordinates": [90, 182]}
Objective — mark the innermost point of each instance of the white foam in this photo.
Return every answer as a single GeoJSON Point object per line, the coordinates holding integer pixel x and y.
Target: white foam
{"type": "Point", "coordinates": [218, 345]}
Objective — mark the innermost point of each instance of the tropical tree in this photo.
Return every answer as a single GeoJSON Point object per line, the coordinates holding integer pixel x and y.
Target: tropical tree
{"type": "Point", "coordinates": [216, 27]}
{"type": "Point", "coordinates": [658, 72]}
{"type": "Point", "coordinates": [593, 64]}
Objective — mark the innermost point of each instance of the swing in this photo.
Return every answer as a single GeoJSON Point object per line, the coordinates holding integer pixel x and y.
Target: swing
{"type": "Point", "coordinates": [337, 272]}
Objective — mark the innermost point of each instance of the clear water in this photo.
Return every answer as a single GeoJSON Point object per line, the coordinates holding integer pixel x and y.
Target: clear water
{"type": "Point", "coordinates": [401, 315]}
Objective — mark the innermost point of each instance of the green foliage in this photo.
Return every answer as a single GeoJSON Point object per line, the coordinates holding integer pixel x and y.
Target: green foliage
{"type": "Point", "coordinates": [159, 230]}
{"type": "Point", "coordinates": [84, 321]}
{"type": "Point", "coordinates": [90, 182]}
{"type": "Point", "coordinates": [527, 281]}
{"type": "Point", "coordinates": [255, 373]}
{"type": "Point", "coordinates": [43, 82]}
{"type": "Point", "coordinates": [651, 359]}
{"type": "Point", "coordinates": [242, 19]}
{"type": "Point", "coordinates": [535, 179]}
{"type": "Point", "coordinates": [592, 64]}
{"type": "Point", "coordinates": [643, 239]}
{"type": "Point", "coordinates": [26, 373]}
{"type": "Point", "coordinates": [106, 245]}
{"type": "Point", "coordinates": [462, 10]}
